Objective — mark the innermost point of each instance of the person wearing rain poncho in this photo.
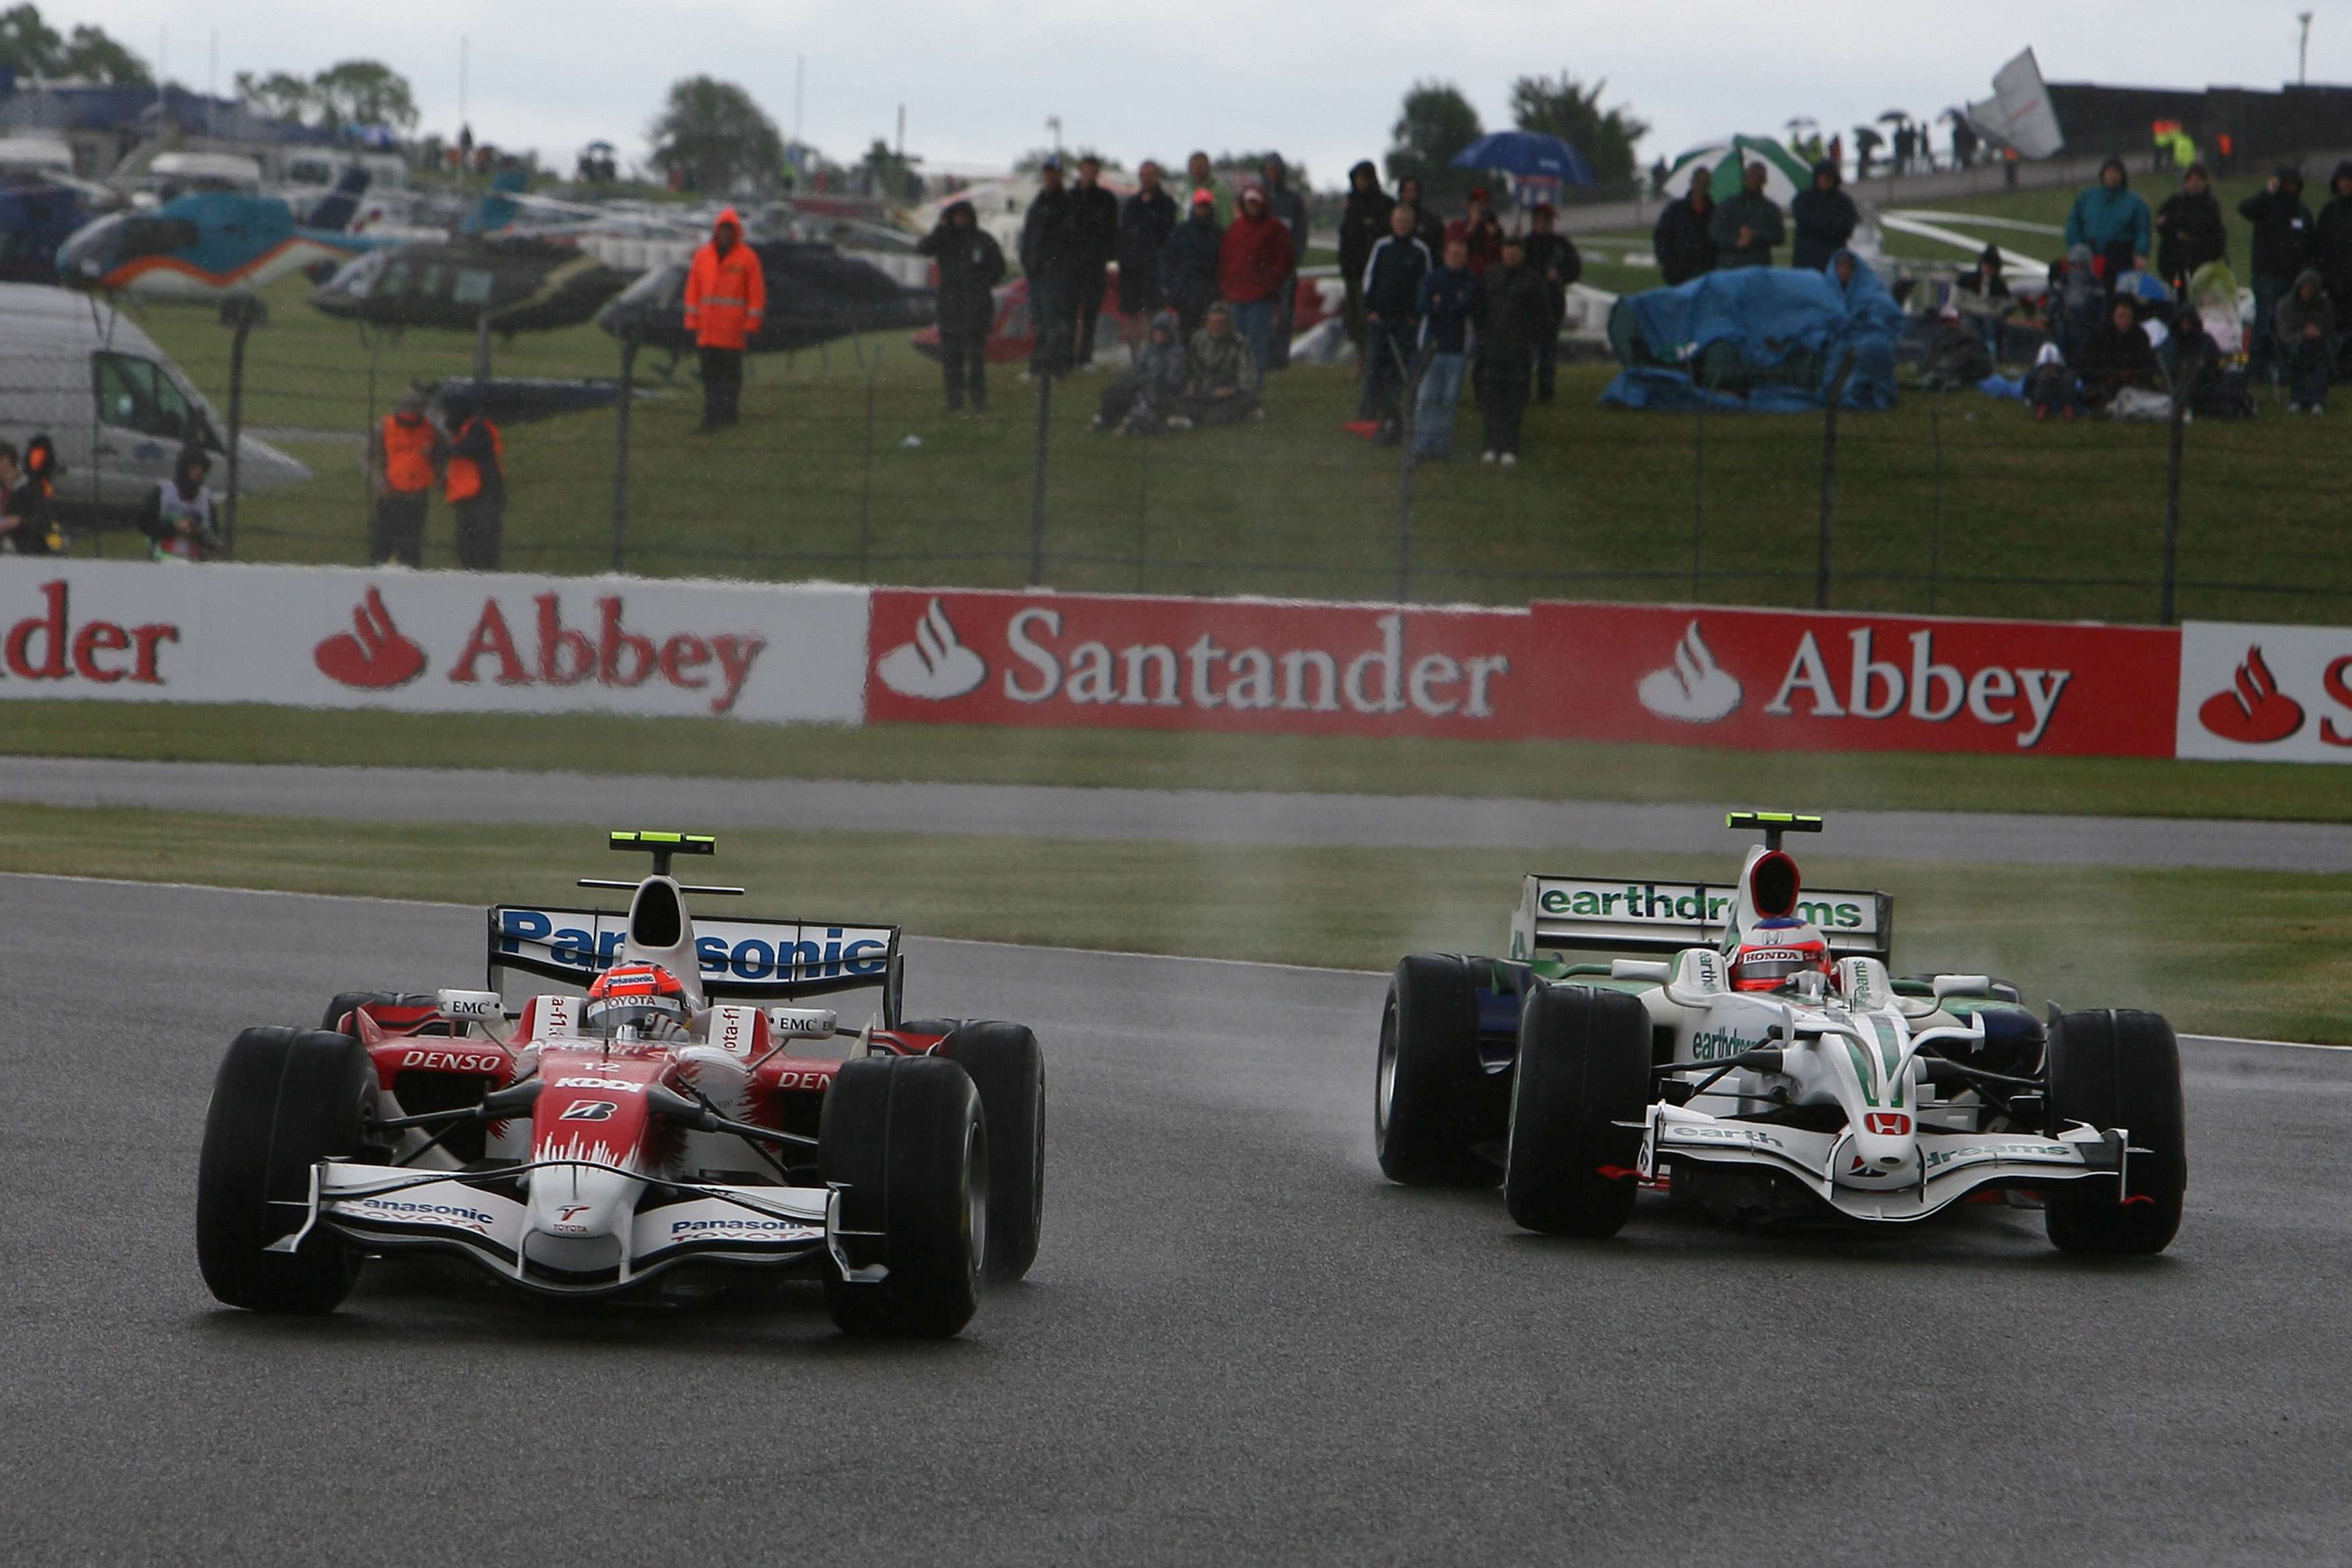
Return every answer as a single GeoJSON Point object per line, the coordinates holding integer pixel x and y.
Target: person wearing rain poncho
{"type": "Point", "coordinates": [1760, 339]}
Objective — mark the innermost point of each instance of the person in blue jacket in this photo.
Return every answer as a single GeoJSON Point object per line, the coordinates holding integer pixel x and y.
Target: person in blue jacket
{"type": "Point", "coordinates": [2114, 222]}
{"type": "Point", "coordinates": [1448, 297]}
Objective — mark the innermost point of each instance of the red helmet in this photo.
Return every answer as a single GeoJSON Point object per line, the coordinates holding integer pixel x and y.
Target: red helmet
{"type": "Point", "coordinates": [1773, 949]}
{"type": "Point", "coordinates": [642, 997]}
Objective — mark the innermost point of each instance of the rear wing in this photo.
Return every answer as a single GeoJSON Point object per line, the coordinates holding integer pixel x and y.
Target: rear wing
{"type": "Point", "coordinates": [1590, 914]}
{"type": "Point", "coordinates": [764, 960]}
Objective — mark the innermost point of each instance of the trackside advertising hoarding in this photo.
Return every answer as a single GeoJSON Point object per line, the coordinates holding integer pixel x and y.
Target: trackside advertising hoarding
{"type": "Point", "coordinates": [1760, 679]}
{"type": "Point", "coordinates": [325, 636]}
{"type": "Point", "coordinates": [331, 637]}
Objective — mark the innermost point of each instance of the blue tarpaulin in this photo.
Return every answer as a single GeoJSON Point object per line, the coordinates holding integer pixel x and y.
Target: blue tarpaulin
{"type": "Point", "coordinates": [1763, 339]}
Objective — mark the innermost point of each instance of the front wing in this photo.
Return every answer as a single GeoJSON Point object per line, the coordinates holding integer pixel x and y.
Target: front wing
{"type": "Point", "coordinates": [1951, 1165]}
{"type": "Point", "coordinates": [384, 1208]}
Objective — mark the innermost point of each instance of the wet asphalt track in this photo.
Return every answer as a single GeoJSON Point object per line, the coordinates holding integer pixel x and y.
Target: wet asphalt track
{"type": "Point", "coordinates": [1215, 816]}
{"type": "Point", "coordinates": [1239, 1344]}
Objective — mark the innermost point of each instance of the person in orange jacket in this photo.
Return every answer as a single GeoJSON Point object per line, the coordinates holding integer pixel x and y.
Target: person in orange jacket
{"type": "Point", "coordinates": [726, 301]}
{"type": "Point", "coordinates": [474, 478]}
{"type": "Point", "coordinates": [400, 462]}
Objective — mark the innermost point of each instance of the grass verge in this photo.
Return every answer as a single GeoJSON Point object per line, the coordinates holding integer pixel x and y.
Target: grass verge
{"type": "Point", "coordinates": [1141, 759]}
{"type": "Point", "coordinates": [2266, 955]}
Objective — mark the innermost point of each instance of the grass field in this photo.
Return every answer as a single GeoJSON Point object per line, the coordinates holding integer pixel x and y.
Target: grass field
{"type": "Point", "coordinates": [2264, 955]}
{"type": "Point", "coordinates": [1954, 503]}
{"type": "Point", "coordinates": [1156, 759]}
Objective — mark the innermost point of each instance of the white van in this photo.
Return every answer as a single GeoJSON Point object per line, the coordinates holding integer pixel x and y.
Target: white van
{"type": "Point", "coordinates": [117, 409]}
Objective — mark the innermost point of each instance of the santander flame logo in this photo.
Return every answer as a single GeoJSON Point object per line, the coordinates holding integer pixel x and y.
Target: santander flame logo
{"type": "Point", "coordinates": [935, 665]}
{"type": "Point", "coordinates": [373, 655]}
{"type": "Point", "coordinates": [2251, 711]}
{"type": "Point", "coordinates": [1694, 688]}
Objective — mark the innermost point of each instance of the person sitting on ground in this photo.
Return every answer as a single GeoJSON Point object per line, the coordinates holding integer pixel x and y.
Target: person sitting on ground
{"type": "Point", "coordinates": [2118, 356]}
{"type": "Point", "coordinates": [1747, 228]}
{"type": "Point", "coordinates": [1513, 314]}
{"type": "Point", "coordinates": [2052, 385]}
{"type": "Point", "coordinates": [1139, 402]}
{"type": "Point", "coordinates": [1680, 241]}
{"type": "Point", "coordinates": [1223, 378]}
{"type": "Point", "coordinates": [1988, 281]}
{"type": "Point", "coordinates": [2189, 228]}
{"type": "Point", "coordinates": [1823, 216]}
{"type": "Point", "coordinates": [2111, 219]}
{"type": "Point", "coordinates": [1955, 355]}
{"type": "Point", "coordinates": [2075, 303]}
{"type": "Point", "coordinates": [2305, 325]}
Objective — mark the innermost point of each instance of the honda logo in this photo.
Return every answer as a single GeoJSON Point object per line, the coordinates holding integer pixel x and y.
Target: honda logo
{"type": "Point", "coordinates": [1887, 1123]}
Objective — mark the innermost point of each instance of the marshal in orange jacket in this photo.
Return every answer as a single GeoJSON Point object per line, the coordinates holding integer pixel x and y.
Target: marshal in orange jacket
{"type": "Point", "coordinates": [727, 298]}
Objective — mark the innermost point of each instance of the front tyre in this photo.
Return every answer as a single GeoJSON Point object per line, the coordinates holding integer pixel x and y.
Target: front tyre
{"type": "Point", "coordinates": [1008, 1068]}
{"type": "Point", "coordinates": [283, 1100]}
{"type": "Point", "coordinates": [1583, 1071]}
{"type": "Point", "coordinates": [1432, 1090]}
{"type": "Point", "coordinates": [2119, 1070]}
{"type": "Point", "coordinates": [905, 1140]}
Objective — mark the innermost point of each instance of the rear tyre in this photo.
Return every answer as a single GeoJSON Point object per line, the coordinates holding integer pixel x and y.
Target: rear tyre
{"type": "Point", "coordinates": [1584, 1068]}
{"type": "Point", "coordinates": [346, 1000]}
{"type": "Point", "coordinates": [1432, 1097]}
{"type": "Point", "coordinates": [1008, 1068]}
{"type": "Point", "coordinates": [908, 1141]}
{"type": "Point", "coordinates": [2119, 1070]}
{"type": "Point", "coordinates": [283, 1102]}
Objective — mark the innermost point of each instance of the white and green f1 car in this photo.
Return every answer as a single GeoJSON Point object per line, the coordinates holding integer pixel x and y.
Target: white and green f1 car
{"type": "Point", "coordinates": [1751, 1052]}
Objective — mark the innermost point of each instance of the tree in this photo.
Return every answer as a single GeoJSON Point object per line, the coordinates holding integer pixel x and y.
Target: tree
{"type": "Point", "coordinates": [1437, 123]}
{"type": "Point", "coordinates": [37, 49]}
{"type": "Point", "coordinates": [363, 92]}
{"type": "Point", "coordinates": [279, 95]}
{"type": "Point", "coordinates": [1558, 106]}
{"type": "Point", "coordinates": [711, 136]}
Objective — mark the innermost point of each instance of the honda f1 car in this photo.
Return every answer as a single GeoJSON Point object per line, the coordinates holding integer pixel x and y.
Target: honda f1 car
{"type": "Point", "coordinates": [654, 1118]}
{"type": "Point", "coordinates": [1767, 1067]}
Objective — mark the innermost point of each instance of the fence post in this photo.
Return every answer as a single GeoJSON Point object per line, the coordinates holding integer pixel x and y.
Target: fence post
{"type": "Point", "coordinates": [1409, 417]}
{"type": "Point", "coordinates": [1936, 521]}
{"type": "Point", "coordinates": [1829, 479]}
{"type": "Point", "coordinates": [1698, 494]}
{"type": "Point", "coordinates": [1142, 508]}
{"type": "Point", "coordinates": [621, 451]}
{"type": "Point", "coordinates": [2180, 388]}
{"type": "Point", "coordinates": [241, 312]}
{"type": "Point", "coordinates": [1038, 488]}
{"type": "Point", "coordinates": [866, 484]}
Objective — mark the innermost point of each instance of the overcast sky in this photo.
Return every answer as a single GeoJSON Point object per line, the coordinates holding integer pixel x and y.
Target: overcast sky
{"type": "Point", "coordinates": [1318, 78]}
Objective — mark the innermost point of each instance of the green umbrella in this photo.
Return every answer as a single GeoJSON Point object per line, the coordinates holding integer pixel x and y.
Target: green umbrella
{"type": "Point", "coordinates": [1785, 174]}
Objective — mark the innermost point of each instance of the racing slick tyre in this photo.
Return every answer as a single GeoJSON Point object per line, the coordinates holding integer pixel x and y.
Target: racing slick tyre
{"type": "Point", "coordinates": [283, 1100]}
{"type": "Point", "coordinates": [346, 1000]}
{"type": "Point", "coordinates": [1009, 1069]}
{"type": "Point", "coordinates": [2118, 1070]}
{"type": "Point", "coordinates": [905, 1140]}
{"type": "Point", "coordinates": [1584, 1068]}
{"type": "Point", "coordinates": [1431, 1086]}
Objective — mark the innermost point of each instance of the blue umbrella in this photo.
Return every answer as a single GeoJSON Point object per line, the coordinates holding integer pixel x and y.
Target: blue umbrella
{"type": "Point", "coordinates": [1528, 154]}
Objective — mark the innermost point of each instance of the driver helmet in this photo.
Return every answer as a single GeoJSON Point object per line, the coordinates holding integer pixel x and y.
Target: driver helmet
{"type": "Point", "coordinates": [1773, 949]}
{"type": "Point", "coordinates": [643, 998]}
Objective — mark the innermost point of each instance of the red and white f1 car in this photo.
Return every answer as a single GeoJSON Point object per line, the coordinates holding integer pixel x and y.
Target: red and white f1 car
{"type": "Point", "coordinates": [587, 1143]}
{"type": "Point", "coordinates": [1765, 1065]}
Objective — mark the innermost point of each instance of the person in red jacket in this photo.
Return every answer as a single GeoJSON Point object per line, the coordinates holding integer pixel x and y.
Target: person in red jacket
{"type": "Point", "coordinates": [726, 301]}
{"type": "Point", "coordinates": [1480, 231]}
{"type": "Point", "coordinates": [1252, 267]}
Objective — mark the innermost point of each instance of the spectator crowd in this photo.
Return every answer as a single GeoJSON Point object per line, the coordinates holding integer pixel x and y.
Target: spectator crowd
{"type": "Point", "coordinates": [1207, 292]}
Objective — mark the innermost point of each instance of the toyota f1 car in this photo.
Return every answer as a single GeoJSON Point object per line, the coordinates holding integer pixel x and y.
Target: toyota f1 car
{"type": "Point", "coordinates": [1767, 1067]}
{"type": "Point", "coordinates": [590, 1143]}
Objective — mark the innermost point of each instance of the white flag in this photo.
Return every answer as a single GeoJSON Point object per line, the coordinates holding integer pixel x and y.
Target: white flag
{"type": "Point", "coordinates": [2018, 115]}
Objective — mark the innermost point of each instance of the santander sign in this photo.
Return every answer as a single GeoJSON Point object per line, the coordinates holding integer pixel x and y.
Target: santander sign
{"type": "Point", "coordinates": [1064, 660]}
